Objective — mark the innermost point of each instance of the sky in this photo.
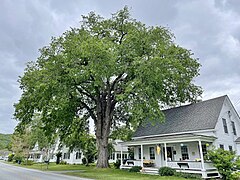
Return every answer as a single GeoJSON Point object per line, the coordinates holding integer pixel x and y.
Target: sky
{"type": "Point", "coordinates": [210, 29]}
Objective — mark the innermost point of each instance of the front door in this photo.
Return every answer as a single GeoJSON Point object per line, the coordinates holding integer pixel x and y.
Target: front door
{"type": "Point", "coordinates": [169, 154]}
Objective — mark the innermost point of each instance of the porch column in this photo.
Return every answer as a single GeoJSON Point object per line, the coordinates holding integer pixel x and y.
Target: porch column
{"type": "Point", "coordinates": [121, 155]}
{"type": "Point", "coordinates": [141, 155]}
{"type": "Point", "coordinates": [165, 153]}
{"type": "Point", "coordinates": [201, 155]}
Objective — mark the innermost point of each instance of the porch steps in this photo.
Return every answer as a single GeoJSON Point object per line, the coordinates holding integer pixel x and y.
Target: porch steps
{"type": "Point", "coordinates": [153, 171]}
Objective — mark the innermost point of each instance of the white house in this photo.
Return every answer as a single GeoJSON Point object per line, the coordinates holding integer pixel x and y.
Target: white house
{"type": "Point", "coordinates": [116, 154]}
{"type": "Point", "coordinates": [49, 154]}
{"type": "Point", "coordinates": [35, 154]}
{"type": "Point", "coordinates": [183, 139]}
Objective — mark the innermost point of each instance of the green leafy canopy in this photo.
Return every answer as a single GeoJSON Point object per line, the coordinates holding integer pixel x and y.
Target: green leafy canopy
{"type": "Point", "coordinates": [115, 70]}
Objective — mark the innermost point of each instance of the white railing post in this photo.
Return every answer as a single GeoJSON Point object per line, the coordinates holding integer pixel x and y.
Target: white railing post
{"type": "Point", "coordinates": [201, 155]}
{"type": "Point", "coordinates": [165, 153]}
{"type": "Point", "coordinates": [141, 155]}
{"type": "Point", "coordinates": [121, 156]}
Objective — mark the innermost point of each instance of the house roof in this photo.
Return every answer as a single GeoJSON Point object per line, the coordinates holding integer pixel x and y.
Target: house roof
{"type": "Point", "coordinates": [237, 140]}
{"type": "Point", "coordinates": [193, 117]}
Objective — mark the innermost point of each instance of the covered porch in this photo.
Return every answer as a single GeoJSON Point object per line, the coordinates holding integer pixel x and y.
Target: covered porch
{"type": "Point", "coordinates": [184, 153]}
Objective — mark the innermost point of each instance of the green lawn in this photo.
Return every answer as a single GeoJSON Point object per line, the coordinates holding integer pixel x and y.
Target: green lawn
{"type": "Point", "coordinates": [94, 173]}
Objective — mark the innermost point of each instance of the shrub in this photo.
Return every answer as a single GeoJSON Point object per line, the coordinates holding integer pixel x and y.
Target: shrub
{"type": "Point", "coordinates": [18, 158]}
{"type": "Point", "coordinates": [117, 164]}
{"type": "Point", "coordinates": [236, 175]}
{"type": "Point", "coordinates": [63, 163]}
{"type": "Point", "coordinates": [166, 171]}
{"type": "Point", "coordinates": [188, 175]}
{"type": "Point", "coordinates": [135, 169]}
{"type": "Point", "coordinates": [10, 157]}
{"type": "Point", "coordinates": [225, 161]}
{"type": "Point", "coordinates": [84, 161]}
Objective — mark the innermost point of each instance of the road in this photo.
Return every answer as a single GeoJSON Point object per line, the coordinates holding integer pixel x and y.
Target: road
{"type": "Point", "coordinates": [10, 172]}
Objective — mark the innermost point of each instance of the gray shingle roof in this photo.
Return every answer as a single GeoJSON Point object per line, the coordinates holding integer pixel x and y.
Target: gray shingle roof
{"type": "Point", "coordinates": [193, 117]}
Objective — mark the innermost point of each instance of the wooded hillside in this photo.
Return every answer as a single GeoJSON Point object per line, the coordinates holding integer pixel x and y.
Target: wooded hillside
{"type": "Point", "coordinates": [4, 140]}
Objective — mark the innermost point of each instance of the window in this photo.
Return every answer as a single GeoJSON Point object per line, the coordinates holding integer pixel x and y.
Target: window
{"type": "Point", "coordinates": [225, 125]}
{"type": "Point", "coordinates": [78, 155]}
{"type": "Point", "coordinates": [222, 146]}
{"type": "Point", "coordinates": [234, 128]}
{"type": "Point", "coordinates": [230, 148]}
{"type": "Point", "coordinates": [118, 156]}
{"type": "Point", "coordinates": [66, 156]}
{"type": "Point", "coordinates": [204, 149]}
{"type": "Point", "coordinates": [184, 151]}
{"type": "Point", "coordinates": [139, 153]}
{"type": "Point", "coordinates": [152, 152]}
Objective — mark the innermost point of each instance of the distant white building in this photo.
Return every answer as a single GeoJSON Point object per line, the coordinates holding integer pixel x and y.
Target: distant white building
{"type": "Point", "coordinates": [116, 155]}
{"type": "Point", "coordinates": [35, 154]}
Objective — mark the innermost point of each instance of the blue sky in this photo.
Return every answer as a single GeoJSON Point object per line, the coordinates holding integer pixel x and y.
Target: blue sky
{"type": "Point", "coordinates": [211, 29]}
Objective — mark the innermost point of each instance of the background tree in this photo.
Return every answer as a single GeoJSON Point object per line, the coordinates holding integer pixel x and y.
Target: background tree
{"type": "Point", "coordinates": [113, 71]}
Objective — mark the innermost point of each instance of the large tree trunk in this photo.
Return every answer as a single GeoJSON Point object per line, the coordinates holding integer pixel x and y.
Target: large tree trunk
{"type": "Point", "coordinates": [102, 161]}
{"type": "Point", "coordinates": [105, 108]}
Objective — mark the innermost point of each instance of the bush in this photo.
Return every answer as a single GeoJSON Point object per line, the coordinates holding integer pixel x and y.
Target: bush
{"type": "Point", "coordinates": [10, 157]}
{"type": "Point", "coordinates": [225, 161]}
{"type": "Point", "coordinates": [18, 158]}
{"type": "Point", "coordinates": [117, 164]}
{"type": "Point", "coordinates": [63, 163]}
{"type": "Point", "coordinates": [84, 161]}
{"type": "Point", "coordinates": [135, 169]}
{"type": "Point", "coordinates": [166, 171]}
{"type": "Point", "coordinates": [235, 175]}
{"type": "Point", "coordinates": [188, 175]}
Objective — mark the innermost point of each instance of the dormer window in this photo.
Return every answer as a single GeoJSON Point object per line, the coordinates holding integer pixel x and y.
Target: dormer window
{"type": "Point", "coordinates": [225, 125]}
{"type": "Point", "coordinates": [234, 128]}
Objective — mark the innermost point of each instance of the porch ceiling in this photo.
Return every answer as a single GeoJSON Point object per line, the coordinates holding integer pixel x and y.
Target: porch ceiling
{"type": "Point", "coordinates": [169, 139]}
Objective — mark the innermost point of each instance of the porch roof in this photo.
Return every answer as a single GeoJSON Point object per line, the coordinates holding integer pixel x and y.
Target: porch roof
{"type": "Point", "coordinates": [190, 137]}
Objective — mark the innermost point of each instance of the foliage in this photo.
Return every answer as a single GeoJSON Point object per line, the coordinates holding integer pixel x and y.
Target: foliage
{"type": "Point", "coordinates": [225, 161]}
{"type": "Point", "coordinates": [10, 157]}
{"type": "Point", "coordinates": [84, 161]}
{"type": "Point", "coordinates": [188, 175]}
{"type": "Point", "coordinates": [123, 133]}
{"type": "Point", "coordinates": [21, 144]}
{"type": "Point", "coordinates": [113, 71]}
{"type": "Point", "coordinates": [166, 171]}
{"type": "Point", "coordinates": [58, 155]}
{"type": "Point", "coordinates": [135, 169]}
{"type": "Point", "coordinates": [85, 142]}
{"type": "Point", "coordinates": [117, 164]}
{"type": "Point", "coordinates": [5, 141]}
{"type": "Point", "coordinates": [63, 162]}
{"type": "Point", "coordinates": [235, 176]}
{"type": "Point", "coordinates": [18, 158]}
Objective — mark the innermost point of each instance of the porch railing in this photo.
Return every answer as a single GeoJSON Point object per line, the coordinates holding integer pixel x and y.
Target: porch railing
{"type": "Point", "coordinates": [190, 165]}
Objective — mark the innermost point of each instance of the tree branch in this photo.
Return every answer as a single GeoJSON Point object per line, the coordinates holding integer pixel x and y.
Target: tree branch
{"type": "Point", "coordinates": [90, 111]}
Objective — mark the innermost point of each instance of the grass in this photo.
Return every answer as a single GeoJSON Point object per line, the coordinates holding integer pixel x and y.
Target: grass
{"type": "Point", "coordinates": [99, 174]}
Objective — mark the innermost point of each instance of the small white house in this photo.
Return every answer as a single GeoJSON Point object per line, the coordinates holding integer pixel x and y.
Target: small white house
{"type": "Point", "coordinates": [35, 154]}
{"type": "Point", "coordinates": [73, 157]}
{"type": "Point", "coordinates": [49, 154]}
{"type": "Point", "coordinates": [116, 154]}
{"type": "Point", "coordinates": [183, 139]}
{"type": "Point", "coordinates": [70, 157]}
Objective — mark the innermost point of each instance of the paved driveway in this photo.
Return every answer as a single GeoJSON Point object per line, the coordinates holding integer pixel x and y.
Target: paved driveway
{"type": "Point", "coordinates": [10, 172]}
